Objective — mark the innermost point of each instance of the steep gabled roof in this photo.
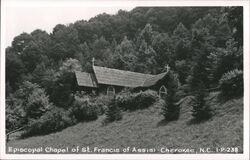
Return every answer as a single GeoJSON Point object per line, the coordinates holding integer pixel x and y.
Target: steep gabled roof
{"type": "Point", "coordinates": [119, 77]}
{"type": "Point", "coordinates": [153, 80]}
{"type": "Point", "coordinates": [109, 76]}
{"type": "Point", "coordinates": [85, 79]}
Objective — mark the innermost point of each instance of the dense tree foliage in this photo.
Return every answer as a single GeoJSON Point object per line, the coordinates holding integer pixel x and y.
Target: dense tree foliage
{"type": "Point", "coordinates": [200, 44]}
{"type": "Point", "coordinates": [29, 102]}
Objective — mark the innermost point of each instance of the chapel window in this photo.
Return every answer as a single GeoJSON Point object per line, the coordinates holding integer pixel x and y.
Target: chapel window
{"type": "Point", "coordinates": [163, 91]}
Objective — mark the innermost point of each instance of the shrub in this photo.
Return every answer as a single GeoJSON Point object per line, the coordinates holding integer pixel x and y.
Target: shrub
{"type": "Point", "coordinates": [133, 101]}
{"type": "Point", "coordinates": [38, 104]}
{"type": "Point", "coordinates": [231, 83]}
{"type": "Point", "coordinates": [113, 112]}
{"type": "Point", "coordinates": [145, 99]}
{"type": "Point", "coordinates": [84, 110]}
{"type": "Point", "coordinates": [53, 120]}
{"type": "Point", "coordinates": [159, 104]}
{"type": "Point", "coordinates": [32, 99]}
{"type": "Point", "coordinates": [125, 100]}
{"type": "Point", "coordinates": [13, 119]}
{"type": "Point", "coordinates": [29, 102]}
{"type": "Point", "coordinates": [102, 101]}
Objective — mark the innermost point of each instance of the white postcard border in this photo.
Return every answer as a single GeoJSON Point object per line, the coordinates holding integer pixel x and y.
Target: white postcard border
{"type": "Point", "coordinates": [104, 3]}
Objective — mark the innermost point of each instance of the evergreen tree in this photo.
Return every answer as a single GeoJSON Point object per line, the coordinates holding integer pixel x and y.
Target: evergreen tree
{"type": "Point", "coordinates": [124, 56]}
{"type": "Point", "coordinates": [201, 111]}
{"type": "Point", "coordinates": [163, 46]}
{"type": "Point", "coordinates": [202, 46]}
{"type": "Point", "coordinates": [182, 42]}
{"type": "Point", "coordinates": [146, 55]}
{"type": "Point", "coordinates": [171, 110]}
{"type": "Point", "coordinates": [146, 58]}
{"type": "Point", "coordinates": [146, 35]}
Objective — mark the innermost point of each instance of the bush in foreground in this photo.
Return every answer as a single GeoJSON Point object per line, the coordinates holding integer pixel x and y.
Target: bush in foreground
{"type": "Point", "coordinates": [28, 103]}
{"type": "Point", "coordinates": [102, 101]}
{"type": "Point", "coordinates": [231, 83]}
{"type": "Point", "coordinates": [85, 110]}
{"type": "Point", "coordinates": [134, 101]}
{"type": "Point", "coordinates": [53, 120]}
{"type": "Point", "coordinates": [13, 119]}
{"type": "Point", "coordinates": [128, 101]}
{"type": "Point", "coordinates": [145, 99]}
{"type": "Point", "coordinates": [113, 112]}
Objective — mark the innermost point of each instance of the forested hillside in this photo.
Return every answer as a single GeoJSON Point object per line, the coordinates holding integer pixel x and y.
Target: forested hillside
{"type": "Point", "coordinates": [202, 46]}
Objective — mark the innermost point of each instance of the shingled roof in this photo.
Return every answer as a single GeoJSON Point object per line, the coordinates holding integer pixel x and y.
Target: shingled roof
{"type": "Point", "coordinates": [153, 80]}
{"type": "Point", "coordinates": [85, 79]}
{"type": "Point", "coordinates": [117, 77]}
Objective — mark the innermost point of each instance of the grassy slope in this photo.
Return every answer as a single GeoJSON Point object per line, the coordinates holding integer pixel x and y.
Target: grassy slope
{"type": "Point", "coordinates": [146, 128]}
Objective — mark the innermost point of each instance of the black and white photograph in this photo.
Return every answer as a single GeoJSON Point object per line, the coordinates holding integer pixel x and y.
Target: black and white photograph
{"type": "Point", "coordinates": [123, 79]}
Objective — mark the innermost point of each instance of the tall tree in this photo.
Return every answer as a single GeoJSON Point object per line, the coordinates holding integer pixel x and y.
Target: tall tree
{"type": "Point", "coordinates": [20, 42]}
{"type": "Point", "coordinates": [124, 56]}
{"type": "Point", "coordinates": [182, 42]}
{"type": "Point", "coordinates": [146, 58]}
{"type": "Point", "coordinates": [145, 53]}
{"type": "Point", "coordinates": [100, 47]}
{"type": "Point", "coordinates": [163, 46]}
{"type": "Point", "coordinates": [202, 45]}
{"type": "Point", "coordinates": [85, 56]}
{"type": "Point", "coordinates": [62, 92]}
{"type": "Point", "coordinates": [65, 42]}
